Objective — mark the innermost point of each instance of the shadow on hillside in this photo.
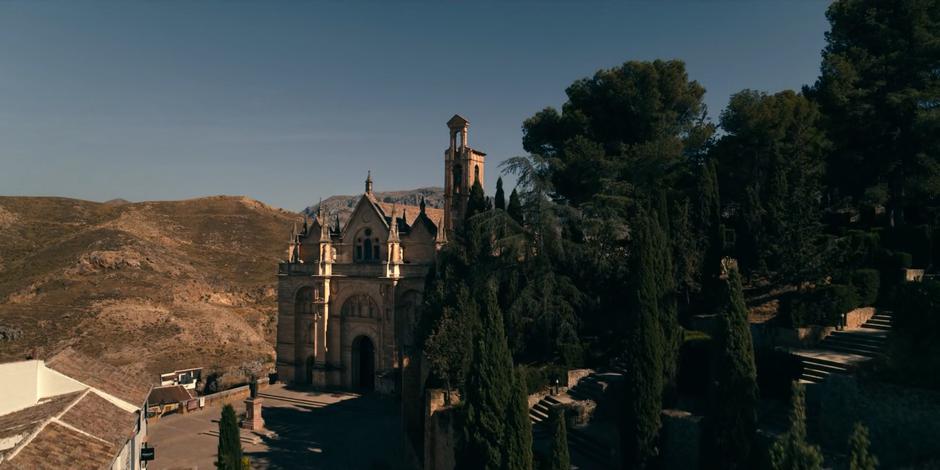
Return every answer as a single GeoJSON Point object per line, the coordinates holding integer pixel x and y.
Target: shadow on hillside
{"type": "Point", "coordinates": [357, 433]}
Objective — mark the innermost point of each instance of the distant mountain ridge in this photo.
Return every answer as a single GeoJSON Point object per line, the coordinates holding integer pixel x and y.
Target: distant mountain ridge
{"type": "Point", "coordinates": [343, 206]}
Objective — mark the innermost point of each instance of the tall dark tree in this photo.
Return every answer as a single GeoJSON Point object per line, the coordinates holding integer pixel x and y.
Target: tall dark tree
{"type": "Point", "coordinates": [488, 390]}
{"type": "Point", "coordinates": [860, 457]}
{"type": "Point", "coordinates": [772, 160]}
{"type": "Point", "coordinates": [518, 427]}
{"type": "Point", "coordinates": [477, 202]}
{"type": "Point", "coordinates": [229, 456]}
{"type": "Point", "coordinates": [791, 451]}
{"type": "Point", "coordinates": [499, 200]}
{"type": "Point", "coordinates": [643, 357]}
{"type": "Point", "coordinates": [559, 458]}
{"type": "Point", "coordinates": [732, 419]}
{"type": "Point", "coordinates": [880, 89]}
{"type": "Point", "coordinates": [623, 125]}
{"type": "Point", "coordinates": [515, 206]}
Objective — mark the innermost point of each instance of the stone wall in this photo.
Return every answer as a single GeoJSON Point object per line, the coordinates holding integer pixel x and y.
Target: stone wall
{"type": "Point", "coordinates": [768, 335]}
{"type": "Point", "coordinates": [904, 422]}
{"type": "Point", "coordinates": [440, 436]}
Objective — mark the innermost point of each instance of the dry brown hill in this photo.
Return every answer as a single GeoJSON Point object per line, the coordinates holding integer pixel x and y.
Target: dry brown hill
{"type": "Point", "coordinates": [150, 286]}
{"type": "Point", "coordinates": [343, 206]}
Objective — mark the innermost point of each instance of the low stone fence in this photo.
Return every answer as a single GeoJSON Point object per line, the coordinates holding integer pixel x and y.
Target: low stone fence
{"type": "Point", "coordinates": [769, 335]}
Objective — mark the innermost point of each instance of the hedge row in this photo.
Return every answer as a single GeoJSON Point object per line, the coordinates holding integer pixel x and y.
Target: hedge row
{"type": "Point", "coordinates": [822, 306]}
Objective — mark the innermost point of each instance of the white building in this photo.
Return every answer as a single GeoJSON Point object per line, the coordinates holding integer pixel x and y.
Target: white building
{"type": "Point", "coordinates": [70, 412]}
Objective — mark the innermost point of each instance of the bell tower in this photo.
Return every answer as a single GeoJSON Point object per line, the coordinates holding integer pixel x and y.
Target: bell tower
{"type": "Point", "coordinates": [463, 166]}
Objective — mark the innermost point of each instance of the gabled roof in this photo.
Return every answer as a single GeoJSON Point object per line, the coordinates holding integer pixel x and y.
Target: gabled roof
{"type": "Point", "coordinates": [73, 430]}
{"type": "Point", "coordinates": [169, 395]}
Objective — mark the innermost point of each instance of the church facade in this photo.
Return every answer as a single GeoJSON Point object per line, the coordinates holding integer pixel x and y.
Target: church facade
{"type": "Point", "coordinates": [349, 291]}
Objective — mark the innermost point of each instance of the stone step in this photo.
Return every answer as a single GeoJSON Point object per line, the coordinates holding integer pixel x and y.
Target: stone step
{"type": "Point", "coordinates": [860, 337]}
{"type": "Point", "coordinates": [813, 378]}
{"type": "Point", "coordinates": [877, 327]}
{"type": "Point", "coordinates": [824, 362]}
{"type": "Point", "coordinates": [846, 343]}
{"type": "Point", "coordinates": [823, 369]}
{"type": "Point", "coordinates": [876, 321]}
{"type": "Point", "coordinates": [851, 350]}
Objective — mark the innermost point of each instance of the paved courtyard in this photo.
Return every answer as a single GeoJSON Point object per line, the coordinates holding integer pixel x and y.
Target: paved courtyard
{"type": "Point", "coordinates": [304, 429]}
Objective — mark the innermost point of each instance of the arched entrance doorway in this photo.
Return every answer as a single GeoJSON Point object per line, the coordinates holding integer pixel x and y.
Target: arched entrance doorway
{"type": "Point", "coordinates": [363, 363]}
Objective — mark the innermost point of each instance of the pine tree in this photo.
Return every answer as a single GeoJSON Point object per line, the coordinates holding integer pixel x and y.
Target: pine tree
{"type": "Point", "coordinates": [860, 457]}
{"type": "Point", "coordinates": [500, 200]}
{"type": "Point", "coordinates": [791, 451]}
{"type": "Point", "coordinates": [518, 427]}
{"type": "Point", "coordinates": [559, 459]}
{"type": "Point", "coordinates": [644, 343]}
{"type": "Point", "coordinates": [515, 206]}
{"type": "Point", "coordinates": [732, 418]}
{"type": "Point", "coordinates": [489, 390]}
{"type": "Point", "coordinates": [230, 447]}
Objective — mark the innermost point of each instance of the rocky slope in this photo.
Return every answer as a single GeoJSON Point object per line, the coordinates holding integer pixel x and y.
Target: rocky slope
{"type": "Point", "coordinates": [344, 205]}
{"type": "Point", "coordinates": [151, 286]}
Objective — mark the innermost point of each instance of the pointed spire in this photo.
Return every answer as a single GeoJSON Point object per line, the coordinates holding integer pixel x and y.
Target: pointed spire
{"type": "Point", "coordinates": [369, 182]}
{"type": "Point", "coordinates": [324, 230]}
{"type": "Point", "coordinates": [393, 227]}
{"type": "Point", "coordinates": [423, 205]}
{"type": "Point", "coordinates": [320, 210]}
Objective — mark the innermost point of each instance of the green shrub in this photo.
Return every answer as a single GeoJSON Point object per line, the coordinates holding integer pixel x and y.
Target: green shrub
{"type": "Point", "coordinates": [540, 377]}
{"type": "Point", "coordinates": [866, 283]}
{"type": "Point", "coordinates": [821, 306]}
{"type": "Point", "coordinates": [913, 239]}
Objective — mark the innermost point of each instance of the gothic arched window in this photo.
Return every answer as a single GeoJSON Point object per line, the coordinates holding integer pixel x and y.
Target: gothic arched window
{"type": "Point", "coordinates": [476, 173]}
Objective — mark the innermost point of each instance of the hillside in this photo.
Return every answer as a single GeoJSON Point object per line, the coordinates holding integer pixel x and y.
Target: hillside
{"type": "Point", "coordinates": [149, 286]}
{"type": "Point", "coordinates": [344, 205]}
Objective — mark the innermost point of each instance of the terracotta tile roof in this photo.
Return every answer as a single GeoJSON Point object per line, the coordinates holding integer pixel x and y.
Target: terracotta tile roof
{"type": "Point", "coordinates": [107, 378]}
{"type": "Point", "coordinates": [57, 447]}
{"type": "Point", "coordinates": [169, 394]}
{"type": "Point", "coordinates": [25, 422]}
{"type": "Point", "coordinates": [101, 418]}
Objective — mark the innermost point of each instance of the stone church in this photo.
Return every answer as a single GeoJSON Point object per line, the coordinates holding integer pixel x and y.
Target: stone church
{"type": "Point", "coordinates": [349, 292]}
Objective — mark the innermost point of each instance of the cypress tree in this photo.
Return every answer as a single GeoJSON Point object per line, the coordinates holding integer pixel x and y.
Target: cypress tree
{"type": "Point", "coordinates": [860, 457]}
{"type": "Point", "coordinates": [500, 200]}
{"type": "Point", "coordinates": [668, 314]}
{"type": "Point", "coordinates": [515, 206]}
{"type": "Point", "coordinates": [518, 427]}
{"type": "Point", "coordinates": [559, 459]}
{"type": "Point", "coordinates": [477, 202]}
{"type": "Point", "coordinates": [732, 420]}
{"type": "Point", "coordinates": [230, 447]}
{"type": "Point", "coordinates": [791, 451]}
{"type": "Point", "coordinates": [640, 421]}
{"type": "Point", "coordinates": [489, 390]}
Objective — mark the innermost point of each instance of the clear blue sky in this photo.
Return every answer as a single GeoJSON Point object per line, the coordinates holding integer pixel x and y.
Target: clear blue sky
{"type": "Point", "coordinates": [289, 101]}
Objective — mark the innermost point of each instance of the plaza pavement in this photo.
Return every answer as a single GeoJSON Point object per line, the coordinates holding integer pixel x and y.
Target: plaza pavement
{"type": "Point", "coordinates": [304, 429]}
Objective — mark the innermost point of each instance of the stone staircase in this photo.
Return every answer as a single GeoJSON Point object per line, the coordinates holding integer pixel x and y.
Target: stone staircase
{"type": "Point", "coordinates": [841, 351]}
{"type": "Point", "coordinates": [592, 452]}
